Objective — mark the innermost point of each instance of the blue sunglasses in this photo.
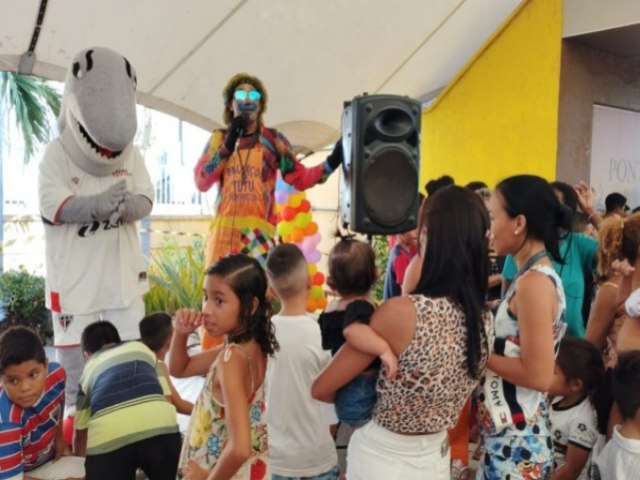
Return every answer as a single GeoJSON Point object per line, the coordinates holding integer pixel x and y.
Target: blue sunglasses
{"type": "Point", "coordinates": [242, 95]}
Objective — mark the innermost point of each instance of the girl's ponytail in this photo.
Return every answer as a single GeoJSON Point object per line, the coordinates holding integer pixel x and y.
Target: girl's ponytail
{"type": "Point", "coordinates": [261, 328]}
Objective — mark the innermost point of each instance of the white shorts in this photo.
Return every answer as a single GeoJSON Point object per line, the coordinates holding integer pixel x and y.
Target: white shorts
{"type": "Point", "coordinates": [67, 328]}
{"type": "Point", "coordinates": [632, 304]}
{"type": "Point", "coordinates": [64, 467]}
{"type": "Point", "coordinates": [375, 453]}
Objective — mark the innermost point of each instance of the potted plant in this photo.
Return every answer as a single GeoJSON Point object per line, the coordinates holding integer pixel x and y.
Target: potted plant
{"type": "Point", "coordinates": [22, 302]}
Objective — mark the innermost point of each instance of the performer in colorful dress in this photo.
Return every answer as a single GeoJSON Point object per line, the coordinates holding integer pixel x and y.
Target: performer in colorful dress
{"type": "Point", "coordinates": [244, 160]}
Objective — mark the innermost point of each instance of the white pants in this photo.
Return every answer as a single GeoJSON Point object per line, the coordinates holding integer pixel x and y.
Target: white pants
{"type": "Point", "coordinates": [67, 341]}
{"type": "Point", "coordinates": [68, 327]}
{"type": "Point", "coordinates": [64, 467]}
{"type": "Point", "coordinates": [375, 453]}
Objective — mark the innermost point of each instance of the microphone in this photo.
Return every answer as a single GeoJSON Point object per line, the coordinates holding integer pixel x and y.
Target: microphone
{"type": "Point", "coordinates": [242, 126]}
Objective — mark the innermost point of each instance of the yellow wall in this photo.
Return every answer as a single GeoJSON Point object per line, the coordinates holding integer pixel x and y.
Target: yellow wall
{"type": "Point", "coordinates": [499, 116]}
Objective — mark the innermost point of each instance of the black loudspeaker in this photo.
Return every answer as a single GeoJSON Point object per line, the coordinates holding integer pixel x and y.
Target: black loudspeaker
{"type": "Point", "coordinates": [381, 143]}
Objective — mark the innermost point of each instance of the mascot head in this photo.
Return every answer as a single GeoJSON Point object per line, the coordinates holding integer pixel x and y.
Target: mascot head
{"type": "Point", "coordinates": [98, 116]}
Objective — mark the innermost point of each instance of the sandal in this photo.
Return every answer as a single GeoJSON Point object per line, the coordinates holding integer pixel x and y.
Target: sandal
{"type": "Point", "coordinates": [459, 471]}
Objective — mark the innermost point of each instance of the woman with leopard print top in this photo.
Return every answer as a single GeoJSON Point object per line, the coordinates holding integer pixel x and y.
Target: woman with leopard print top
{"type": "Point", "coordinates": [442, 335]}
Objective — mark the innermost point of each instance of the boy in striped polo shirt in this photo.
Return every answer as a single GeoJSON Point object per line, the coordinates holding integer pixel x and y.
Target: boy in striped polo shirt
{"type": "Point", "coordinates": [123, 420]}
{"type": "Point", "coordinates": [31, 405]}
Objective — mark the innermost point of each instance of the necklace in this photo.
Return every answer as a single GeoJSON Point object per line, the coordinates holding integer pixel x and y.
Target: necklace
{"type": "Point", "coordinates": [244, 164]}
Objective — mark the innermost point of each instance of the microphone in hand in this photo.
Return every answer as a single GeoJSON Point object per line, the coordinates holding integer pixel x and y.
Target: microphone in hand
{"type": "Point", "coordinates": [237, 128]}
{"type": "Point", "coordinates": [242, 123]}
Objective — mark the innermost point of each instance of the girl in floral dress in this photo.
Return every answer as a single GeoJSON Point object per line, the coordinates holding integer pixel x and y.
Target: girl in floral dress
{"type": "Point", "coordinates": [227, 434]}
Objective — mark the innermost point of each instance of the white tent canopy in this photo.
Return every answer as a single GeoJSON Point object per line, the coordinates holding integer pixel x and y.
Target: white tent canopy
{"type": "Point", "coordinates": [312, 55]}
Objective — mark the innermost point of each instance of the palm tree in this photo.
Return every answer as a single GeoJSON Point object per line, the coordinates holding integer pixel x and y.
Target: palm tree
{"type": "Point", "coordinates": [32, 102]}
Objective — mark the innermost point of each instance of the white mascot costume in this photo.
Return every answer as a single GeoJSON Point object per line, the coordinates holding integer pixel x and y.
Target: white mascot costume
{"type": "Point", "coordinates": [93, 187]}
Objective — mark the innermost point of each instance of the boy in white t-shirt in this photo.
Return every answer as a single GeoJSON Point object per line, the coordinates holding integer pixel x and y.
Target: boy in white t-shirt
{"type": "Point", "coordinates": [620, 458]}
{"type": "Point", "coordinates": [300, 444]}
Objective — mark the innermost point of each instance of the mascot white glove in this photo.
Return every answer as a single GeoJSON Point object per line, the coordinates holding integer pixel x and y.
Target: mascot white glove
{"type": "Point", "coordinates": [87, 208]}
{"type": "Point", "coordinates": [134, 207]}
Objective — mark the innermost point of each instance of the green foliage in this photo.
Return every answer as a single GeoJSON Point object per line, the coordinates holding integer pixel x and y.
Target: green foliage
{"type": "Point", "coordinates": [22, 298]}
{"type": "Point", "coordinates": [380, 245]}
{"type": "Point", "coordinates": [33, 102]}
{"type": "Point", "coordinates": [175, 277]}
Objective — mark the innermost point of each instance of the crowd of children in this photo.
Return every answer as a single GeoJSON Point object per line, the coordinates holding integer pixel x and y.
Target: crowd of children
{"type": "Point", "coordinates": [548, 404]}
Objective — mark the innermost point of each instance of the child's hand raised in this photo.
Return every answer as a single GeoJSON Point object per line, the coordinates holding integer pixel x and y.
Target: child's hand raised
{"type": "Point", "coordinates": [186, 320]}
{"type": "Point", "coordinates": [622, 267]}
{"type": "Point", "coordinates": [390, 362]}
{"type": "Point", "coordinates": [585, 194]}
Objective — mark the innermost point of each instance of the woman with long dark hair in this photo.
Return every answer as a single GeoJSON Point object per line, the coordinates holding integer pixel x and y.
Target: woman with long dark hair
{"type": "Point", "coordinates": [526, 221]}
{"type": "Point", "coordinates": [442, 335]}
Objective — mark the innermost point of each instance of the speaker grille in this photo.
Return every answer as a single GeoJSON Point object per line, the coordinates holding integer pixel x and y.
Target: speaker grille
{"type": "Point", "coordinates": [392, 124]}
{"type": "Point", "coordinates": [389, 186]}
